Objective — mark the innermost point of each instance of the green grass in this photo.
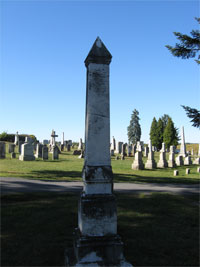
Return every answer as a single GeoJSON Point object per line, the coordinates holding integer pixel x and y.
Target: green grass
{"type": "Point", "coordinates": [69, 168]}
{"type": "Point", "coordinates": [157, 229]}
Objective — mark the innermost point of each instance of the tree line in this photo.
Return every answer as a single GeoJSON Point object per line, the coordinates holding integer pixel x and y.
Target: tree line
{"type": "Point", "coordinates": [161, 131]}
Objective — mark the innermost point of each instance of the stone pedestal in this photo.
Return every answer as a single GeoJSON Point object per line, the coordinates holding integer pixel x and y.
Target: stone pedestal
{"type": "Point", "coordinates": [150, 164]}
{"type": "Point", "coordinates": [162, 163]}
{"type": "Point", "coordinates": [27, 153]}
{"type": "Point", "coordinates": [171, 161]}
{"type": "Point", "coordinates": [138, 163]}
{"type": "Point", "coordinates": [196, 161]}
{"type": "Point", "coordinates": [96, 242]}
{"type": "Point", "coordinates": [187, 160]}
{"type": "Point", "coordinates": [2, 150]}
{"type": "Point", "coordinates": [179, 160]}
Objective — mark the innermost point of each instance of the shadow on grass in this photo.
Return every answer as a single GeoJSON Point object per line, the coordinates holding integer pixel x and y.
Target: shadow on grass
{"type": "Point", "coordinates": [148, 179]}
{"type": "Point", "coordinates": [57, 174]}
{"type": "Point", "coordinates": [157, 230]}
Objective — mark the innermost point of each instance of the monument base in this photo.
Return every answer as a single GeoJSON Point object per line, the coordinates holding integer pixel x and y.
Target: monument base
{"type": "Point", "coordinates": [150, 164]}
{"type": "Point", "coordinates": [26, 158]}
{"type": "Point", "coordinates": [96, 251]}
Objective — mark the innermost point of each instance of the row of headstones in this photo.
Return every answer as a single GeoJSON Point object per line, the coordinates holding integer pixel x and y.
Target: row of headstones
{"type": "Point", "coordinates": [187, 171]}
{"type": "Point", "coordinates": [162, 163]}
{"type": "Point", "coordinates": [26, 151]}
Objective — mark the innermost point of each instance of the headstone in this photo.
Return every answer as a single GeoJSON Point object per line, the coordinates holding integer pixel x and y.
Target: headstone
{"type": "Point", "coordinates": [20, 143]}
{"type": "Point", "coordinates": [171, 161]}
{"type": "Point", "coordinates": [27, 151]}
{"type": "Point", "coordinates": [63, 139]}
{"type": "Point", "coordinates": [163, 148]}
{"type": "Point", "coordinates": [62, 147]}
{"type": "Point", "coordinates": [188, 160]}
{"type": "Point", "coordinates": [192, 152]}
{"type": "Point", "coordinates": [150, 164]}
{"type": "Point", "coordinates": [80, 146]}
{"type": "Point", "coordinates": [138, 163]}
{"type": "Point", "coordinates": [55, 153]}
{"type": "Point", "coordinates": [68, 147]}
{"type": "Point", "coordinates": [182, 147]}
{"type": "Point", "coordinates": [52, 141]}
{"type": "Point", "coordinates": [2, 150]}
{"type": "Point", "coordinates": [119, 147]}
{"type": "Point", "coordinates": [16, 139]}
{"type": "Point", "coordinates": [39, 150]}
{"type": "Point", "coordinates": [133, 149]}
{"type": "Point", "coordinates": [97, 242]}
{"type": "Point", "coordinates": [129, 149]}
{"type": "Point", "coordinates": [187, 171]}
{"type": "Point", "coordinates": [11, 148]}
{"type": "Point", "coordinates": [45, 142]}
{"type": "Point", "coordinates": [45, 151]}
{"type": "Point", "coordinates": [77, 152]}
{"type": "Point", "coordinates": [146, 151]}
{"type": "Point", "coordinates": [81, 156]}
{"type": "Point", "coordinates": [176, 172]}
{"type": "Point", "coordinates": [179, 161]}
{"type": "Point", "coordinates": [113, 145]}
{"type": "Point", "coordinates": [199, 151]}
{"type": "Point", "coordinates": [198, 169]}
{"type": "Point", "coordinates": [139, 146]}
{"type": "Point", "coordinates": [123, 149]}
{"type": "Point", "coordinates": [13, 155]}
{"type": "Point", "coordinates": [112, 152]}
{"type": "Point", "coordinates": [162, 163]}
{"type": "Point", "coordinates": [196, 161]}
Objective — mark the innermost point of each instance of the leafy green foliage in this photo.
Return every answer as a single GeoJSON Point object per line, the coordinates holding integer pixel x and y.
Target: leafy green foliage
{"type": "Point", "coordinates": [193, 114]}
{"type": "Point", "coordinates": [189, 46]}
{"type": "Point", "coordinates": [160, 130]}
{"type": "Point", "coordinates": [170, 134]}
{"type": "Point", "coordinates": [134, 129]}
{"type": "Point", "coordinates": [153, 133]}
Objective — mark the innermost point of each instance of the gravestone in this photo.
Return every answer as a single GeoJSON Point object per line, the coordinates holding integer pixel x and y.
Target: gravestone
{"type": "Point", "coordinates": [11, 148]}
{"type": "Point", "coordinates": [138, 163]}
{"type": "Point", "coordinates": [68, 147]}
{"type": "Point", "coordinates": [55, 153]}
{"type": "Point", "coordinates": [199, 151]}
{"type": "Point", "coordinates": [150, 164]}
{"type": "Point", "coordinates": [196, 161]}
{"type": "Point", "coordinates": [192, 152]}
{"type": "Point", "coordinates": [96, 240]}
{"type": "Point", "coordinates": [198, 169]}
{"type": "Point", "coordinates": [133, 149]}
{"type": "Point", "coordinates": [2, 150]}
{"type": "Point", "coordinates": [176, 172]}
{"type": "Point", "coordinates": [112, 152]}
{"type": "Point", "coordinates": [119, 147]}
{"type": "Point", "coordinates": [139, 146]}
{"type": "Point", "coordinates": [146, 151]}
{"type": "Point", "coordinates": [182, 147]}
{"type": "Point", "coordinates": [77, 152]}
{"type": "Point", "coordinates": [20, 143]}
{"type": "Point", "coordinates": [27, 151]}
{"type": "Point", "coordinates": [13, 155]}
{"type": "Point", "coordinates": [81, 156]}
{"type": "Point", "coordinates": [187, 171]}
{"type": "Point", "coordinates": [162, 163]}
{"type": "Point", "coordinates": [113, 145]}
{"type": "Point", "coordinates": [39, 150]}
{"type": "Point", "coordinates": [45, 142]}
{"type": "Point", "coordinates": [63, 139]}
{"type": "Point", "coordinates": [188, 160]}
{"type": "Point", "coordinates": [80, 146]}
{"type": "Point", "coordinates": [179, 160]}
{"type": "Point", "coordinates": [45, 151]}
{"type": "Point", "coordinates": [16, 142]}
{"type": "Point", "coordinates": [129, 149]}
{"type": "Point", "coordinates": [62, 147]}
{"type": "Point", "coordinates": [123, 149]}
{"type": "Point", "coordinates": [52, 141]}
{"type": "Point", "coordinates": [171, 161]}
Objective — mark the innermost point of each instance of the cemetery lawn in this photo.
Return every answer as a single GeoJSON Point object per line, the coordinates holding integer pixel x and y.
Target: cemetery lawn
{"type": "Point", "coordinates": [69, 168]}
{"type": "Point", "coordinates": [158, 229]}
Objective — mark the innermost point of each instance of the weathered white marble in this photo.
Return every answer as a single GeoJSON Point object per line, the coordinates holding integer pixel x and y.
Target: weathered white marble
{"type": "Point", "coordinates": [138, 163]}
{"type": "Point", "coordinates": [27, 153]}
{"type": "Point", "coordinates": [162, 163]}
{"type": "Point", "coordinates": [182, 147]}
{"type": "Point", "coordinates": [150, 163]}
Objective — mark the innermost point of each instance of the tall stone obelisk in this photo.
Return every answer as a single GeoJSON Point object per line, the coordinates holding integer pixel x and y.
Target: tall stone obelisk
{"type": "Point", "coordinates": [96, 242]}
{"type": "Point", "coordinates": [182, 147]}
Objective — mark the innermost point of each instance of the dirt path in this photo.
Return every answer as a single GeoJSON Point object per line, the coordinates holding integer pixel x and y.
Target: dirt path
{"type": "Point", "coordinates": [14, 185]}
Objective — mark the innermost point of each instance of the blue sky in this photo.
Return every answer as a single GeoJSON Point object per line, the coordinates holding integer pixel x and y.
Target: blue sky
{"type": "Point", "coordinates": [43, 77]}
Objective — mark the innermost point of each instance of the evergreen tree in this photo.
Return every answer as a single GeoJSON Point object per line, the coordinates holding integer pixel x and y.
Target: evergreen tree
{"type": "Point", "coordinates": [164, 119]}
{"type": "Point", "coordinates": [170, 134]}
{"type": "Point", "coordinates": [189, 46]}
{"type": "Point", "coordinates": [160, 131]}
{"type": "Point", "coordinates": [153, 133]}
{"type": "Point", "coordinates": [134, 129]}
{"type": "Point", "coordinates": [194, 115]}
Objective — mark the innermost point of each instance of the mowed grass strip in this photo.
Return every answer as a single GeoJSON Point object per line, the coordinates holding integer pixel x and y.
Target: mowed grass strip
{"type": "Point", "coordinates": [69, 168]}
{"type": "Point", "coordinates": [157, 229]}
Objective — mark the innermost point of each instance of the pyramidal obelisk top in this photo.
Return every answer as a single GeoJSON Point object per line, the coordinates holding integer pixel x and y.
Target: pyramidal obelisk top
{"type": "Point", "coordinates": [98, 54]}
